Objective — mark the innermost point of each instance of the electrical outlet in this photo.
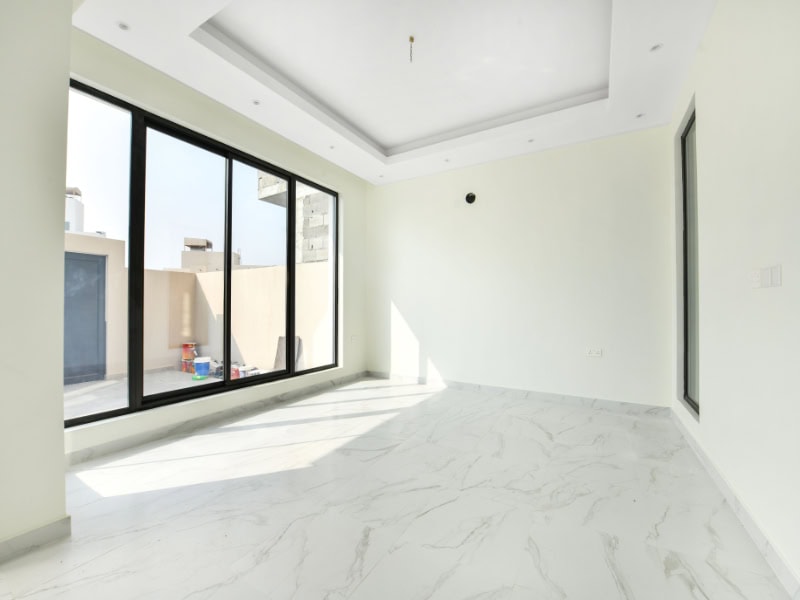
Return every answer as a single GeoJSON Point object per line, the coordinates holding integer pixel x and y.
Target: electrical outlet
{"type": "Point", "coordinates": [594, 353]}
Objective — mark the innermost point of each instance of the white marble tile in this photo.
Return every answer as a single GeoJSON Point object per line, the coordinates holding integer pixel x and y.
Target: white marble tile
{"type": "Point", "coordinates": [395, 490]}
{"type": "Point", "coordinates": [579, 563]}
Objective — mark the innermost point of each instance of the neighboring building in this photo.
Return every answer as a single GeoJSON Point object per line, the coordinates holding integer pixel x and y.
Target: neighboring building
{"type": "Point", "coordinates": [73, 210]}
{"type": "Point", "coordinates": [198, 256]}
{"type": "Point", "coordinates": [312, 222]}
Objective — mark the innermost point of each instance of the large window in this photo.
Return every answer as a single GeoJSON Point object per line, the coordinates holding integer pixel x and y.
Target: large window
{"type": "Point", "coordinates": [184, 263]}
{"type": "Point", "coordinates": [96, 257]}
{"type": "Point", "coordinates": [691, 342]}
{"type": "Point", "coordinates": [315, 288]}
{"type": "Point", "coordinates": [258, 278]}
{"type": "Point", "coordinates": [190, 267]}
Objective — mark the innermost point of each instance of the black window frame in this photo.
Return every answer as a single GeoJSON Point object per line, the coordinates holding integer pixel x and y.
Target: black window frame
{"type": "Point", "coordinates": [692, 403]}
{"type": "Point", "coordinates": [141, 121]}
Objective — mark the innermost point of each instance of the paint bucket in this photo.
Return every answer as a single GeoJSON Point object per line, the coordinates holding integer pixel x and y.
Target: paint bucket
{"type": "Point", "coordinates": [201, 365]}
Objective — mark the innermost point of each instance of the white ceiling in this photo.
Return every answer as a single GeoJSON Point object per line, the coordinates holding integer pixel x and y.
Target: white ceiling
{"type": "Point", "coordinates": [488, 80]}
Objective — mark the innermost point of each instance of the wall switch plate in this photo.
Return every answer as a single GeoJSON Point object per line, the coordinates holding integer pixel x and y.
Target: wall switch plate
{"type": "Point", "coordinates": [755, 278]}
{"type": "Point", "coordinates": [595, 353]}
{"type": "Point", "coordinates": [775, 276]}
{"type": "Point", "coordinates": [767, 277]}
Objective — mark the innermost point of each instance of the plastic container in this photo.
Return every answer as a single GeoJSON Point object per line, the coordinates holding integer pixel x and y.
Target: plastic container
{"type": "Point", "coordinates": [201, 365]}
{"type": "Point", "coordinates": [188, 351]}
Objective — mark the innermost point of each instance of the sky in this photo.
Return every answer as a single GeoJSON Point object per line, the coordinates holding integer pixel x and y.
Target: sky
{"type": "Point", "coordinates": [185, 190]}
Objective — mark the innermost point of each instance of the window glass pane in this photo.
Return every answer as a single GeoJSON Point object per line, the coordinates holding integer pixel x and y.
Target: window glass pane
{"type": "Point", "coordinates": [691, 343]}
{"type": "Point", "coordinates": [314, 277]}
{"type": "Point", "coordinates": [96, 257]}
{"type": "Point", "coordinates": [184, 265]}
{"type": "Point", "coordinates": [258, 281]}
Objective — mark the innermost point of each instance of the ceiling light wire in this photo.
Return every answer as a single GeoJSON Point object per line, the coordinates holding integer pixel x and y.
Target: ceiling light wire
{"type": "Point", "coordinates": [411, 48]}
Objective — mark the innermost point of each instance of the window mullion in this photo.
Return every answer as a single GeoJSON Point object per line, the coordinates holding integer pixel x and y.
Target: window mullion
{"type": "Point", "coordinates": [136, 260]}
{"type": "Point", "coordinates": [291, 219]}
{"type": "Point", "coordinates": [226, 351]}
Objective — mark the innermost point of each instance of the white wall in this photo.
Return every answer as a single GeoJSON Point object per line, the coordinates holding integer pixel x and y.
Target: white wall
{"type": "Point", "coordinates": [34, 66]}
{"type": "Point", "coordinates": [746, 84]}
{"type": "Point", "coordinates": [563, 251]}
{"type": "Point", "coordinates": [98, 64]}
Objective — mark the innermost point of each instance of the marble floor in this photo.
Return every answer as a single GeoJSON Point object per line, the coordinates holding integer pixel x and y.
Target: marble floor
{"type": "Point", "coordinates": [383, 491]}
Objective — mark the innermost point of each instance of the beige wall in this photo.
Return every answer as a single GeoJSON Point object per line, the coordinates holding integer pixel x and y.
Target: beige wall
{"type": "Point", "coordinates": [185, 307]}
{"type": "Point", "coordinates": [258, 307]}
{"type": "Point", "coordinates": [171, 317]}
{"type": "Point", "coordinates": [746, 90]}
{"type": "Point", "coordinates": [314, 312]}
{"type": "Point", "coordinates": [34, 66]}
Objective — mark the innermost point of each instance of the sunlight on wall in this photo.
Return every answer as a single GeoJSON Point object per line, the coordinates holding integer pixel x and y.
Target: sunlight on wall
{"type": "Point", "coordinates": [404, 346]}
{"type": "Point", "coordinates": [408, 358]}
{"type": "Point", "coordinates": [186, 316]}
{"type": "Point", "coordinates": [431, 373]}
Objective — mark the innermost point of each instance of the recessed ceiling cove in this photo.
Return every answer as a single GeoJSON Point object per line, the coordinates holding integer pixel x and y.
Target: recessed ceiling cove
{"type": "Point", "coordinates": [483, 80]}
{"type": "Point", "coordinates": [473, 65]}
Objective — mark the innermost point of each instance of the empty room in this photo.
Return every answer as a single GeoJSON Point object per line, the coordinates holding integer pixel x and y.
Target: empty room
{"type": "Point", "coordinates": [402, 300]}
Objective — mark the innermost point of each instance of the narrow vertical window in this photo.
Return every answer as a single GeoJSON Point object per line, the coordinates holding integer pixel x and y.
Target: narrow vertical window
{"type": "Point", "coordinates": [184, 265]}
{"type": "Point", "coordinates": [258, 277]}
{"type": "Point", "coordinates": [315, 285]}
{"type": "Point", "coordinates": [691, 359]}
{"type": "Point", "coordinates": [96, 211]}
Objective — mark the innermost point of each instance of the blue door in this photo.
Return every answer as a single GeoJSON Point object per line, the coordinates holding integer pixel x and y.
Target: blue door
{"type": "Point", "coordinates": [84, 317]}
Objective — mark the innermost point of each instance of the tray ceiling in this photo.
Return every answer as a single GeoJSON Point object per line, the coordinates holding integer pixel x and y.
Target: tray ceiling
{"type": "Point", "coordinates": [482, 80]}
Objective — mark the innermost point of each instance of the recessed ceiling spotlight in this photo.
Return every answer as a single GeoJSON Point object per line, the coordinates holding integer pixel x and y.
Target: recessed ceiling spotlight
{"type": "Point", "coordinates": [123, 26]}
{"type": "Point", "coordinates": [640, 115]}
{"type": "Point", "coordinates": [656, 47]}
{"type": "Point", "coordinates": [256, 102]}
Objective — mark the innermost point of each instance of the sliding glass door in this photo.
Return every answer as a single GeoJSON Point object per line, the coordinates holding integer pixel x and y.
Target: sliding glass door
{"type": "Point", "coordinates": [184, 264]}
{"type": "Point", "coordinates": [96, 207]}
{"type": "Point", "coordinates": [259, 279]}
{"type": "Point", "coordinates": [314, 267]}
{"type": "Point", "coordinates": [190, 267]}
